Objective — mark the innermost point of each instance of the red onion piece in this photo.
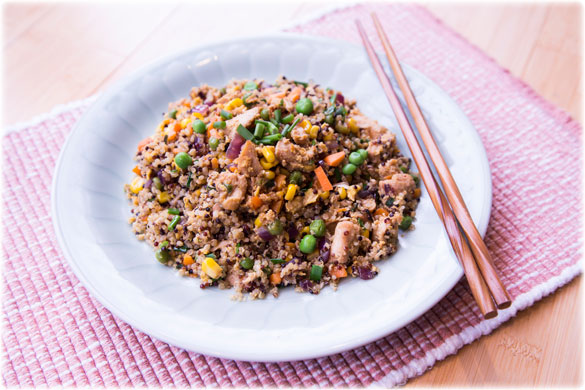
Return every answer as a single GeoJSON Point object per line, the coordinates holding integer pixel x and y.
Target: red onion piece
{"type": "Point", "coordinates": [366, 273]}
{"type": "Point", "coordinates": [201, 108]}
{"type": "Point", "coordinates": [340, 99]}
{"type": "Point", "coordinates": [233, 151]}
{"type": "Point", "coordinates": [325, 256]}
{"type": "Point", "coordinates": [264, 234]}
{"type": "Point", "coordinates": [292, 231]}
{"type": "Point", "coordinates": [331, 145]}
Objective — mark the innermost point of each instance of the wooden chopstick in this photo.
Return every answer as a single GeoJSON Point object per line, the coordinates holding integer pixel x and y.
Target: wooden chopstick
{"type": "Point", "coordinates": [476, 282]}
{"type": "Point", "coordinates": [478, 247]}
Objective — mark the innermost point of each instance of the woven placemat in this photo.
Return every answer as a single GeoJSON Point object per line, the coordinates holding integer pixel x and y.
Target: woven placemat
{"type": "Point", "coordinates": [56, 334]}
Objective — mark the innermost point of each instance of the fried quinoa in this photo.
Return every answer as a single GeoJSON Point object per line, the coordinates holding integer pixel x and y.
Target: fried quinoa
{"type": "Point", "coordinates": [258, 186]}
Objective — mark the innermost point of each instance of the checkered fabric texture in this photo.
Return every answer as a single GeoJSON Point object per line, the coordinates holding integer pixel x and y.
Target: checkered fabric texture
{"type": "Point", "coordinates": [55, 333]}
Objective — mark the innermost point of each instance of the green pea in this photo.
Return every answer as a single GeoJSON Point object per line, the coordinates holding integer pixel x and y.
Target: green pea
{"type": "Point", "coordinates": [349, 169]}
{"type": "Point", "coordinates": [265, 114]}
{"type": "Point", "coordinates": [363, 153]}
{"type": "Point", "coordinates": [213, 143]}
{"type": "Point", "coordinates": [173, 114]}
{"type": "Point", "coordinates": [225, 115]}
{"type": "Point", "coordinates": [247, 263]}
{"type": "Point", "coordinates": [275, 227]}
{"type": "Point", "coordinates": [250, 86]}
{"type": "Point", "coordinates": [288, 119]}
{"type": "Point", "coordinates": [295, 177]}
{"type": "Point", "coordinates": [183, 160]}
{"type": "Point", "coordinates": [163, 256]}
{"type": "Point", "coordinates": [199, 126]}
{"type": "Point", "coordinates": [305, 106]}
{"type": "Point", "coordinates": [317, 228]}
{"type": "Point", "coordinates": [406, 222]}
{"type": "Point", "coordinates": [157, 183]}
{"type": "Point", "coordinates": [308, 244]}
{"type": "Point", "coordinates": [329, 118]}
{"type": "Point", "coordinates": [219, 125]}
{"type": "Point", "coordinates": [356, 158]}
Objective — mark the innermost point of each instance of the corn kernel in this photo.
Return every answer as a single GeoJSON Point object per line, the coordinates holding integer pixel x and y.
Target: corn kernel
{"type": "Point", "coordinates": [197, 192]}
{"type": "Point", "coordinates": [257, 191]}
{"type": "Point", "coordinates": [365, 233]}
{"type": "Point", "coordinates": [185, 123]}
{"type": "Point", "coordinates": [214, 163]}
{"type": "Point", "coordinates": [267, 165]}
{"type": "Point", "coordinates": [314, 132]}
{"type": "Point", "coordinates": [270, 175]}
{"type": "Point", "coordinates": [257, 222]}
{"type": "Point", "coordinates": [329, 137]}
{"type": "Point", "coordinates": [306, 230]}
{"type": "Point", "coordinates": [163, 197]}
{"type": "Point", "coordinates": [324, 195]}
{"type": "Point", "coordinates": [353, 127]}
{"type": "Point", "coordinates": [290, 192]}
{"type": "Point", "coordinates": [342, 193]}
{"type": "Point", "coordinates": [417, 192]}
{"type": "Point", "coordinates": [280, 194]}
{"type": "Point", "coordinates": [237, 102]}
{"type": "Point", "coordinates": [211, 268]}
{"type": "Point", "coordinates": [188, 260]}
{"type": "Point", "coordinates": [137, 185]}
{"type": "Point", "coordinates": [198, 115]}
{"type": "Point", "coordinates": [305, 124]}
{"type": "Point", "coordinates": [268, 153]}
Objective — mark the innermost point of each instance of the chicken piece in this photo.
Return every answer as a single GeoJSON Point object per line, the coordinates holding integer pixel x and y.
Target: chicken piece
{"type": "Point", "coordinates": [247, 162]}
{"type": "Point", "coordinates": [380, 138]}
{"type": "Point", "coordinates": [294, 157]}
{"type": "Point", "coordinates": [245, 119]}
{"type": "Point", "coordinates": [299, 135]}
{"type": "Point", "coordinates": [385, 226]}
{"type": "Point", "coordinates": [232, 188]}
{"type": "Point", "coordinates": [342, 246]}
{"type": "Point", "coordinates": [400, 182]}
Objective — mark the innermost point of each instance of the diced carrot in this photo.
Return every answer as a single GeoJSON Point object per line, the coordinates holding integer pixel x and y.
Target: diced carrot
{"type": "Point", "coordinates": [143, 143]}
{"type": "Point", "coordinates": [323, 180]}
{"type": "Point", "coordinates": [214, 163]}
{"type": "Point", "coordinates": [417, 193]}
{"type": "Point", "coordinates": [256, 202]}
{"type": "Point", "coordinates": [171, 135]}
{"type": "Point", "coordinates": [136, 170]}
{"type": "Point", "coordinates": [275, 278]}
{"type": "Point", "coordinates": [278, 95]}
{"type": "Point", "coordinates": [381, 211]}
{"type": "Point", "coordinates": [295, 94]}
{"type": "Point", "coordinates": [339, 272]}
{"type": "Point", "coordinates": [188, 260]}
{"type": "Point", "coordinates": [334, 159]}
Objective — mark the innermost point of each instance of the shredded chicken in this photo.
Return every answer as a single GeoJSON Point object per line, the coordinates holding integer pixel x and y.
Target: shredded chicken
{"type": "Point", "coordinates": [247, 162]}
{"type": "Point", "coordinates": [232, 189]}
{"type": "Point", "coordinates": [294, 157]}
{"type": "Point", "coordinates": [400, 182]}
{"type": "Point", "coordinates": [345, 233]}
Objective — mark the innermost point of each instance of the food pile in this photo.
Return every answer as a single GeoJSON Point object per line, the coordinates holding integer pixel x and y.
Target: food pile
{"type": "Point", "coordinates": [257, 186]}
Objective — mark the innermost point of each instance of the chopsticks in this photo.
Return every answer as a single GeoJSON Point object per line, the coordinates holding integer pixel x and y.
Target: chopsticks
{"type": "Point", "coordinates": [483, 280]}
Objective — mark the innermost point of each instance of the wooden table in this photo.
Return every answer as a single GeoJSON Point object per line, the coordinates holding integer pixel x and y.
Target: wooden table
{"type": "Point", "coordinates": [55, 53]}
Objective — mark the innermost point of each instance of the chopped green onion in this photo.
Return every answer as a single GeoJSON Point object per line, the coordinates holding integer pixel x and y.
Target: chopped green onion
{"type": "Point", "coordinates": [270, 139]}
{"type": "Point", "coordinates": [174, 222]}
{"type": "Point", "coordinates": [404, 169]}
{"type": "Point", "coordinates": [182, 249]}
{"type": "Point", "coordinates": [316, 273]}
{"type": "Point", "coordinates": [361, 222]}
{"type": "Point", "coordinates": [212, 255]}
{"type": "Point", "coordinates": [164, 244]}
{"type": "Point", "coordinates": [406, 222]}
{"type": "Point", "coordinates": [229, 188]}
{"type": "Point", "coordinates": [174, 211]}
{"type": "Point", "coordinates": [189, 180]}
{"type": "Point", "coordinates": [295, 177]}
{"type": "Point", "coordinates": [277, 261]}
{"type": "Point", "coordinates": [245, 133]}
{"type": "Point", "coordinates": [225, 115]}
{"type": "Point", "coordinates": [259, 130]}
{"type": "Point", "coordinates": [288, 129]}
{"type": "Point", "coordinates": [341, 111]}
{"type": "Point", "coordinates": [329, 110]}
{"type": "Point", "coordinates": [333, 97]}
{"type": "Point", "coordinates": [390, 202]}
{"type": "Point", "coordinates": [416, 179]}
{"type": "Point", "coordinates": [246, 96]}
{"type": "Point", "coordinates": [173, 114]}
{"type": "Point", "coordinates": [272, 129]}
{"type": "Point", "coordinates": [301, 83]}
{"type": "Point", "coordinates": [238, 248]}
{"type": "Point", "coordinates": [277, 115]}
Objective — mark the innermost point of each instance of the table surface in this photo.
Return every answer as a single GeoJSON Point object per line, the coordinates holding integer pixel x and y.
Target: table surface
{"type": "Point", "coordinates": [56, 53]}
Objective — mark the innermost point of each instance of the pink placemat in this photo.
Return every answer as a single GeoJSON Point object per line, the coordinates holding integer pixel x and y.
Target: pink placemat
{"type": "Point", "coordinates": [55, 333]}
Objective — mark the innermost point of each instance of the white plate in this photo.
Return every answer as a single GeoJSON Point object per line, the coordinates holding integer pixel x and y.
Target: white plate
{"type": "Point", "coordinates": [90, 211]}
